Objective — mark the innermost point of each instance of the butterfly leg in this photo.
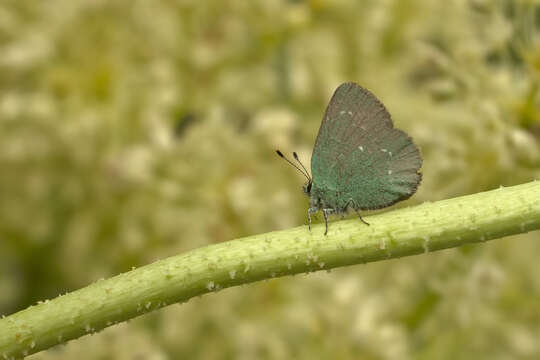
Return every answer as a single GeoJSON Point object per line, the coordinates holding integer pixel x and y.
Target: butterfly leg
{"type": "Point", "coordinates": [351, 202]}
{"type": "Point", "coordinates": [364, 221]}
{"type": "Point", "coordinates": [311, 210]}
{"type": "Point", "coordinates": [325, 213]}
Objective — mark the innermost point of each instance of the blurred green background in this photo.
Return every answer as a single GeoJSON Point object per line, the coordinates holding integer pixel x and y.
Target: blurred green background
{"type": "Point", "coordinates": [135, 130]}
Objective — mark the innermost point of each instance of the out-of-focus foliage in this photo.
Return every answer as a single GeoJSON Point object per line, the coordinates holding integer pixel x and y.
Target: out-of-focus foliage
{"type": "Point", "coordinates": [135, 130]}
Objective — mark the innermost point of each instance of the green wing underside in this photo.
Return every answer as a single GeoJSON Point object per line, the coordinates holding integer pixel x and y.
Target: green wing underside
{"type": "Point", "coordinates": [359, 158]}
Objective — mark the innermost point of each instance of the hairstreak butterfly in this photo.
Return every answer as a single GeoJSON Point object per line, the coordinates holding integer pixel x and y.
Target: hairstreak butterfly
{"type": "Point", "coordinates": [360, 161]}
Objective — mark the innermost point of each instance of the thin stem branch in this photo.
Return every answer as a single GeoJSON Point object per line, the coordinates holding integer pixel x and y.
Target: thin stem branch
{"type": "Point", "coordinates": [408, 231]}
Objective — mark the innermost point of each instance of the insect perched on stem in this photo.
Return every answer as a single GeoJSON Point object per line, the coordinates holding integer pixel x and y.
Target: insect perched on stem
{"type": "Point", "coordinates": [360, 161]}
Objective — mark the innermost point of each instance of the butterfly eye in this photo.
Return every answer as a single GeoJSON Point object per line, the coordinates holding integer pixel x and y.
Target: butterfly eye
{"type": "Point", "coordinates": [307, 187]}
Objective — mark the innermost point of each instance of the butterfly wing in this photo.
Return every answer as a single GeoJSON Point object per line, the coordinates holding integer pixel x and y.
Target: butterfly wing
{"type": "Point", "coordinates": [359, 158]}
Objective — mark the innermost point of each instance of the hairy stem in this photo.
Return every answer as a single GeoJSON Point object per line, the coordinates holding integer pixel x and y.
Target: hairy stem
{"type": "Point", "coordinates": [408, 231]}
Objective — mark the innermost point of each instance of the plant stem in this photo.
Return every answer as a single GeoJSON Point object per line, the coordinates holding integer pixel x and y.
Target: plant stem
{"type": "Point", "coordinates": [408, 231]}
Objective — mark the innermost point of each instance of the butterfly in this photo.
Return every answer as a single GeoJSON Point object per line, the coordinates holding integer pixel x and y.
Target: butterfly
{"type": "Point", "coordinates": [359, 161]}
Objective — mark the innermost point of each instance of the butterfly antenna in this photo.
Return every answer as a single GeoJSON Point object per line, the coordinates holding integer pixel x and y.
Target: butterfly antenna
{"type": "Point", "coordinates": [303, 167]}
{"type": "Point", "coordinates": [293, 164]}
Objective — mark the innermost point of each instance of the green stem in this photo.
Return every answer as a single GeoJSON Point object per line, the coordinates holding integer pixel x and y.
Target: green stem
{"type": "Point", "coordinates": [408, 231]}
